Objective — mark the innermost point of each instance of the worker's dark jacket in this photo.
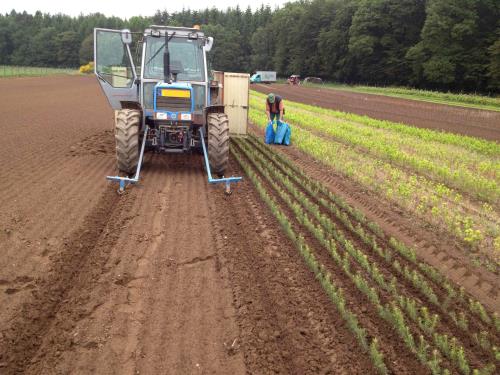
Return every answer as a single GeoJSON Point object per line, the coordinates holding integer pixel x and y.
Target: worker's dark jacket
{"type": "Point", "coordinates": [275, 107]}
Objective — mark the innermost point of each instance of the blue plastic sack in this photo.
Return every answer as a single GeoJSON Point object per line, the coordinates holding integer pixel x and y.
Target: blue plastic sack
{"type": "Point", "coordinates": [288, 135]}
{"type": "Point", "coordinates": [280, 132]}
{"type": "Point", "coordinates": [269, 133]}
{"type": "Point", "coordinates": [283, 134]}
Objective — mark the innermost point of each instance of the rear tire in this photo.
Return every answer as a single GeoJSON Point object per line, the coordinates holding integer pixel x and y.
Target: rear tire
{"type": "Point", "coordinates": [127, 122]}
{"type": "Point", "coordinates": [218, 142]}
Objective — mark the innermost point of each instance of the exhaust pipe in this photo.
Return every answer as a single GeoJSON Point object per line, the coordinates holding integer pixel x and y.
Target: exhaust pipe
{"type": "Point", "coordinates": [166, 61]}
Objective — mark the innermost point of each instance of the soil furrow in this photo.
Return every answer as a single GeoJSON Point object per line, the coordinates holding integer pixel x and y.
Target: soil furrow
{"type": "Point", "coordinates": [46, 219]}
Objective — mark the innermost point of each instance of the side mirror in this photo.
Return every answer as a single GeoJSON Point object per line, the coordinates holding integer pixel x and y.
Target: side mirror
{"type": "Point", "coordinates": [208, 44]}
{"type": "Point", "coordinates": [126, 36]}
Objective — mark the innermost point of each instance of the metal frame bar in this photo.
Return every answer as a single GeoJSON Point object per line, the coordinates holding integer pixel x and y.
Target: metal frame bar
{"type": "Point", "coordinates": [227, 181]}
{"type": "Point", "coordinates": [124, 181]}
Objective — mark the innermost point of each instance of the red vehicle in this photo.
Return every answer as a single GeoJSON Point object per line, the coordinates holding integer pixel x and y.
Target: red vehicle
{"type": "Point", "coordinates": [294, 80]}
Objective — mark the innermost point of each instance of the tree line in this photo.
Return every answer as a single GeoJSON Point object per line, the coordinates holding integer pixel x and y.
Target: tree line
{"type": "Point", "coordinates": [433, 44]}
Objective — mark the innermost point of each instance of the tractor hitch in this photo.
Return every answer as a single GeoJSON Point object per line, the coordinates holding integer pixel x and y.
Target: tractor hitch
{"type": "Point", "coordinates": [124, 181]}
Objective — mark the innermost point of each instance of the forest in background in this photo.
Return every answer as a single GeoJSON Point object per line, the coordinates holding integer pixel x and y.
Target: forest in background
{"type": "Point", "coordinates": [432, 44]}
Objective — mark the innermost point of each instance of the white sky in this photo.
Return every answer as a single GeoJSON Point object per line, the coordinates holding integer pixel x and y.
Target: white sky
{"type": "Point", "coordinates": [123, 8]}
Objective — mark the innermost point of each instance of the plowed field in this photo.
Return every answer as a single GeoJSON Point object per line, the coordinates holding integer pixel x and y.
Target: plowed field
{"type": "Point", "coordinates": [295, 273]}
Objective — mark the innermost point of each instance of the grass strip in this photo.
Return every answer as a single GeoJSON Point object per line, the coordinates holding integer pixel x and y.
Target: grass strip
{"type": "Point", "coordinates": [7, 71]}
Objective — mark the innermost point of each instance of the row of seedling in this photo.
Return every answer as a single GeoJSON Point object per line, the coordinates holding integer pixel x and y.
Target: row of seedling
{"type": "Point", "coordinates": [412, 275]}
{"type": "Point", "coordinates": [355, 221]}
{"type": "Point", "coordinates": [440, 162]}
{"type": "Point", "coordinates": [325, 279]}
{"type": "Point", "coordinates": [426, 322]}
{"type": "Point", "coordinates": [464, 176]}
{"type": "Point", "coordinates": [384, 311]}
{"type": "Point", "coordinates": [453, 213]}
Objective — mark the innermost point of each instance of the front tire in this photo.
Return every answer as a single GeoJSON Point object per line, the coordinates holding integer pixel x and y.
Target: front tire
{"type": "Point", "coordinates": [218, 142]}
{"type": "Point", "coordinates": [127, 122]}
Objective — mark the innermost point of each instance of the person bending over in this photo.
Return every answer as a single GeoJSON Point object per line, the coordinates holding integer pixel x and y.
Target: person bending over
{"type": "Point", "coordinates": [275, 108]}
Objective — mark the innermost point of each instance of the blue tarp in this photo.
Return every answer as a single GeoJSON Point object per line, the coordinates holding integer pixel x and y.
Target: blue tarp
{"type": "Point", "coordinates": [269, 133]}
{"type": "Point", "coordinates": [280, 136]}
{"type": "Point", "coordinates": [288, 135]}
{"type": "Point", "coordinates": [283, 134]}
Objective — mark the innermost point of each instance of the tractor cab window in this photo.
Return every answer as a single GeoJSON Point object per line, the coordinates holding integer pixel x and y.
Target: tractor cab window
{"type": "Point", "coordinates": [113, 62]}
{"type": "Point", "coordinates": [186, 57]}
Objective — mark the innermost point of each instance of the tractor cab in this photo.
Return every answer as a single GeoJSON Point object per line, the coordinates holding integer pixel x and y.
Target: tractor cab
{"type": "Point", "coordinates": [169, 85]}
{"type": "Point", "coordinates": [177, 91]}
{"type": "Point", "coordinates": [157, 82]}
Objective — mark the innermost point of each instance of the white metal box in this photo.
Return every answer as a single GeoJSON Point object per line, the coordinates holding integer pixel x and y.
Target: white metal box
{"type": "Point", "coordinates": [236, 97]}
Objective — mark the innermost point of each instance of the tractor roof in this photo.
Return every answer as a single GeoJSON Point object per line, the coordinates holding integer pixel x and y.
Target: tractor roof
{"type": "Point", "coordinates": [179, 31]}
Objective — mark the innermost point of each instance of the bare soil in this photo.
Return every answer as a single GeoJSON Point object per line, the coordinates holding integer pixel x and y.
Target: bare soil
{"type": "Point", "coordinates": [172, 277]}
{"type": "Point", "coordinates": [461, 120]}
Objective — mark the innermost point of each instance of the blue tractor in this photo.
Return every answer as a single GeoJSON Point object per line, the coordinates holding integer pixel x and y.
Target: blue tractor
{"type": "Point", "coordinates": [158, 84]}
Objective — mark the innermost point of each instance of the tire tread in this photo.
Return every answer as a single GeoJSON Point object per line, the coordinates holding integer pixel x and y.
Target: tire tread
{"type": "Point", "coordinates": [127, 123]}
{"type": "Point", "coordinates": [218, 142]}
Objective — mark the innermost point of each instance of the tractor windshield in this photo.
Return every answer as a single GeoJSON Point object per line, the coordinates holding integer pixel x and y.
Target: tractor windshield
{"type": "Point", "coordinates": [186, 56]}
